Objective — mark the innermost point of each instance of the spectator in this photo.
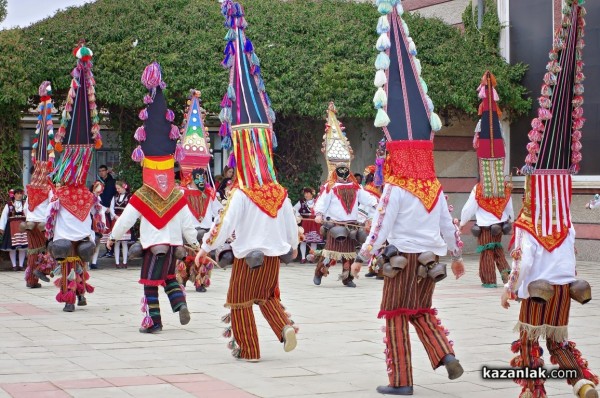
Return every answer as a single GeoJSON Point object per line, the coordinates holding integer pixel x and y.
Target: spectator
{"type": "Point", "coordinates": [106, 196]}
{"type": "Point", "coordinates": [359, 178]}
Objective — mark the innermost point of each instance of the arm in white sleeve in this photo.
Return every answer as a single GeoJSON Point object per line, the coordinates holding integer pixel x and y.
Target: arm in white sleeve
{"type": "Point", "coordinates": [366, 198]}
{"type": "Point", "coordinates": [125, 222]}
{"type": "Point", "coordinates": [510, 209]}
{"type": "Point", "coordinates": [112, 208]}
{"type": "Point", "coordinates": [290, 224]}
{"type": "Point", "coordinates": [4, 218]}
{"type": "Point", "coordinates": [469, 209]}
{"type": "Point", "coordinates": [188, 225]}
{"type": "Point", "coordinates": [323, 202]}
{"type": "Point", "coordinates": [447, 227]}
{"type": "Point", "coordinates": [215, 207]}
{"type": "Point", "coordinates": [522, 265]}
{"type": "Point", "coordinates": [224, 225]}
{"type": "Point", "coordinates": [25, 207]}
{"type": "Point", "coordinates": [297, 208]}
{"type": "Point", "coordinates": [384, 220]}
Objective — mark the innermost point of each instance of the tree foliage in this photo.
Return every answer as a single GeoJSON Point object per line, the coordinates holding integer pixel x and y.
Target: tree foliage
{"type": "Point", "coordinates": [311, 52]}
{"type": "Point", "coordinates": [3, 5]}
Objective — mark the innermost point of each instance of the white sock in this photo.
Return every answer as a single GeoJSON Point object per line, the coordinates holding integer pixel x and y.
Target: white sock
{"type": "Point", "coordinates": [313, 246]}
{"type": "Point", "coordinates": [22, 255]}
{"type": "Point", "coordinates": [303, 250]}
{"type": "Point", "coordinates": [117, 252]}
{"type": "Point", "coordinates": [125, 251]}
{"type": "Point", "coordinates": [95, 257]}
{"type": "Point", "coordinates": [13, 257]}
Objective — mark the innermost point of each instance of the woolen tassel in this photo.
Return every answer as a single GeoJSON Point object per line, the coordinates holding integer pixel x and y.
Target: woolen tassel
{"type": "Point", "coordinates": [224, 129]}
{"type": "Point", "coordinates": [399, 9]}
{"type": "Point", "coordinates": [71, 276]}
{"type": "Point", "coordinates": [412, 48]}
{"type": "Point", "coordinates": [423, 85]}
{"type": "Point", "coordinates": [254, 59]}
{"type": "Point", "coordinates": [89, 288]}
{"type": "Point", "coordinates": [140, 134]}
{"type": "Point", "coordinates": [226, 102]}
{"type": "Point", "coordinates": [179, 153]}
{"type": "Point", "coordinates": [170, 115]}
{"type": "Point", "coordinates": [227, 332]}
{"type": "Point", "coordinates": [380, 98]}
{"type": "Point", "coordinates": [143, 115]}
{"type": "Point", "coordinates": [436, 122]}
{"type": "Point", "coordinates": [383, 25]}
{"type": "Point", "coordinates": [226, 142]}
{"type": "Point", "coordinates": [230, 35]}
{"type": "Point", "coordinates": [227, 62]}
{"type": "Point", "coordinates": [138, 154]}
{"type": "Point", "coordinates": [231, 92]}
{"type": "Point", "coordinates": [148, 99]}
{"type": "Point", "coordinates": [260, 84]}
{"type": "Point", "coordinates": [384, 7]}
{"type": "Point", "coordinates": [271, 114]}
{"type": "Point", "coordinates": [382, 62]}
{"type": "Point", "coordinates": [383, 42]}
{"type": "Point", "coordinates": [429, 103]}
{"type": "Point", "coordinates": [381, 119]}
{"type": "Point", "coordinates": [147, 322]}
{"type": "Point", "coordinates": [248, 47]}
{"type": "Point", "coordinates": [544, 114]}
{"type": "Point", "coordinates": [231, 161]}
{"type": "Point", "coordinates": [417, 65]}
{"type": "Point", "coordinates": [405, 27]}
{"type": "Point", "coordinates": [226, 318]}
{"type": "Point", "coordinates": [380, 78]}
{"type": "Point", "coordinates": [174, 134]}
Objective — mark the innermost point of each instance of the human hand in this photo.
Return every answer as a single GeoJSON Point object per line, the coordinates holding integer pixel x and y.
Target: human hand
{"type": "Point", "coordinates": [504, 299]}
{"type": "Point", "coordinates": [201, 255]}
{"type": "Point", "coordinates": [319, 219]}
{"type": "Point", "coordinates": [109, 244]}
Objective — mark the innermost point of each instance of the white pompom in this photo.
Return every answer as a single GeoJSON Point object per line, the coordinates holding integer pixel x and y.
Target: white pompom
{"type": "Point", "coordinates": [383, 43]}
{"type": "Point", "coordinates": [417, 65]}
{"type": "Point", "coordinates": [380, 78]}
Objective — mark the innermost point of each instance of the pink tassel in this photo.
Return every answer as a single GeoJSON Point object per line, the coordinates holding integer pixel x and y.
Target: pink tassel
{"type": "Point", "coordinates": [148, 99]}
{"type": "Point", "coordinates": [226, 102]}
{"type": "Point", "coordinates": [224, 130]}
{"type": "Point", "coordinates": [69, 107]}
{"type": "Point", "coordinates": [57, 282]}
{"type": "Point", "coordinates": [89, 288]}
{"type": "Point", "coordinates": [545, 102]}
{"type": "Point", "coordinates": [138, 154]}
{"type": "Point", "coordinates": [174, 133]}
{"type": "Point", "coordinates": [577, 113]}
{"type": "Point", "coordinates": [143, 115]}
{"type": "Point", "coordinates": [70, 297]}
{"type": "Point", "coordinates": [140, 134]}
{"type": "Point", "coordinates": [576, 157]}
{"type": "Point", "coordinates": [578, 89]}
{"type": "Point", "coordinates": [544, 114]}
{"type": "Point", "coordinates": [533, 147]}
{"type": "Point", "coordinates": [531, 158]}
{"type": "Point", "coordinates": [226, 318]}
{"type": "Point", "coordinates": [71, 285]}
{"type": "Point", "coordinates": [576, 136]}
{"type": "Point", "coordinates": [481, 93]}
{"type": "Point", "coordinates": [170, 115]}
{"type": "Point", "coordinates": [577, 101]}
{"type": "Point", "coordinates": [537, 124]}
{"type": "Point", "coordinates": [179, 153]}
{"type": "Point", "coordinates": [147, 322]}
{"type": "Point", "coordinates": [231, 344]}
{"type": "Point", "coordinates": [535, 136]}
{"type": "Point", "coordinates": [60, 297]}
{"type": "Point", "coordinates": [578, 123]}
{"type": "Point", "coordinates": [227, 333]}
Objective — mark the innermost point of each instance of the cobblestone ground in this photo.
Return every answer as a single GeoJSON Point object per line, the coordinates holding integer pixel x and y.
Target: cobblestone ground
{"type": "Point", "coordinates": [97, 351]}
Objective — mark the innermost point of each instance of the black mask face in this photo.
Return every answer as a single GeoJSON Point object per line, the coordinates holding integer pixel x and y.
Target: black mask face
{"type": "Point", "coordinates": [199, 180]}
{"type": "Point", "coordinates": [342, 172]}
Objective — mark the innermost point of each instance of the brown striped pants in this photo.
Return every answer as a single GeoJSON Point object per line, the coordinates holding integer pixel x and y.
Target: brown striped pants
{"type": "Point", "coordinates": [36, 244]}
{"type": "Point", "coordinates": [406, 299]}
{"type": "Point", "coordinates": [491, 259]}
{"type": "Point", "coordinates": [554, 313]}
{"type": "Point", "coordinates": [254, 286]}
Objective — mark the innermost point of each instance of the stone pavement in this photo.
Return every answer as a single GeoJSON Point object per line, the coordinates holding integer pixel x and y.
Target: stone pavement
{"type": "Point", "coordinates": [98, 352]}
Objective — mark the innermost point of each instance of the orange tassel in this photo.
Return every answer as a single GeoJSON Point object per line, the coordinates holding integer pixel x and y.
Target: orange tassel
{"type": "Point", "coordinates": [98, 144]}
{"type": "Point", "coordinates": [58, 147]}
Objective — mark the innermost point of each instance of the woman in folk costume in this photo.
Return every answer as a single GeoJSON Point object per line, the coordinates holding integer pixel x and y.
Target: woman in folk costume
{"type": "Point", "coordinates": [117, 205]}
{"type": "Point", "coordinates": [199, 193]}
{"type": "Point", "coordinates": [543, 275]}
{"type": "Point", "coordinates": [337, 206]}
{"type": "Point", "coordinates": [38, 191]}
{"type": "Point", "coordinates": [99, 225]}
{"type": "Point", "coordinates": [68, 222]}
{"type": "Point", "coordinates": [412, 214]}
{"type": "Point", "coordinates": [159, 204]}
{"type": "Point", "coordinates": [258, 208]}
{"type": "Point", "coordinates": [13, 215]}
{"type": "Point", "coordinates": [490, 201]}
{"type": "Point", "coordinates": [305, 207]}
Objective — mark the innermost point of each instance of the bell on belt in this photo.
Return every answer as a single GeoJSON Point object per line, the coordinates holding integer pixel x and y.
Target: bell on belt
{"type": "Point", "coordinates": [496, 229]}
{"type": "Point", "coordinates": [159, 250]}
{"type": "Point", "coordinates": [339, 233]}
{"type": "Point", "coordinates": [255, 259]}
{"type": "Point", "coordinates": [60, 249]}
{"type": "Point", "coordinates": [540, 291]}
{"type": "Point", "coordinates": [580, 291]}
{"type": "Point", "coordinates": [476, 230]}
{"type": "Point", "coordinates": [85, 250]}
{"type": "Point", "coordinates": [136, 250]}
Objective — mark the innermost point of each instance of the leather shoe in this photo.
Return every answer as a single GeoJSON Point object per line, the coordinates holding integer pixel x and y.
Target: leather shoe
{"type": "Point", "coordinates": [40, 275]}
{"type": "Point", "coordinates": [389, 390]}
{"type": "Point", "coordinates": [453, 366]}
{"type": "Point", "coordinates": [69, 308]}
{"type": "Point", "coordinates": [184, 315]}
{"type": "Point", "coordinates": [201, 289]}
{"type": "Point", "coordinates": [350, 284]}
{"type": "Point", "coordinates": [151, 329]}
{"type": "Point", "coordinates": [317, 280]}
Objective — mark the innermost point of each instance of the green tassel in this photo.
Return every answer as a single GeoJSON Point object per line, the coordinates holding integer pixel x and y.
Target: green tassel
{"type": "Point", "coordinates": [382, 119]}
{"type": "Point", "coordinates": [231, 35]}
{"type": "Point", "coordinates": [423, 85]}
{"type": "Point", "coordinates": [384, 8]}
{"type": "Point", "coordinates": [435, 121]}
{"type": "Point", "coordinates": [380, 98]}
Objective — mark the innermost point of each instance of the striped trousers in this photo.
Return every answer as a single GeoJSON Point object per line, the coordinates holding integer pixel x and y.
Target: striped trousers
{"type": "Point", "coordinates": [549, 320]}
{"type": "Point", "coordinates": [407, 299]}
{"type": "Point", "coordinates": [255, 286]}
{"type": "Point", "coordinates": [36, 244]}
{"type": "Point", "coordinates": [175, 294]}
{"type": "Point", "coordinates": [491, 259]}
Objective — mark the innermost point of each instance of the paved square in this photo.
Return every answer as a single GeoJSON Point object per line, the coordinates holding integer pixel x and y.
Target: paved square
{"type": "Point", "coordinates": [97, 351]}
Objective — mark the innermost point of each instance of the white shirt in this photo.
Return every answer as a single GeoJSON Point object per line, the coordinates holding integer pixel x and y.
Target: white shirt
{"type": "Point", "coordinates": [557, 267]}
{"type": "Point", "coordinates": [180, 226]}
{"type": "Point", "coordinates": [68, 226]}
{"type": "Point", "coordinates": [212, 212]}
{"type": "Point", "coordinates": [18, 208]}
{"type": "Point", "coordinates": [254, 230]}
{"type": "Point", "coordinates": [39, 213]}
{"type": "Point", "coordinates": [484, 218]}
{"type": "Point", "coordinates": [330, 205]}
{"type": "Point", "coordinates": [407, 225]}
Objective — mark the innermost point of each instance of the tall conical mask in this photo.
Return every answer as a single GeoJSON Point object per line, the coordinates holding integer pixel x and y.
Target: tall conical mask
{"type": "Point", "coordinates": [404, 110]}
{"type": "Point", "coordinates": [554, 147]}
{"type": "Point", "coordinates": [194, 137]}
{"type": "Point", "coordinates": [79, 132]}
{"type": "Point", "coordinates": [336, 147]}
